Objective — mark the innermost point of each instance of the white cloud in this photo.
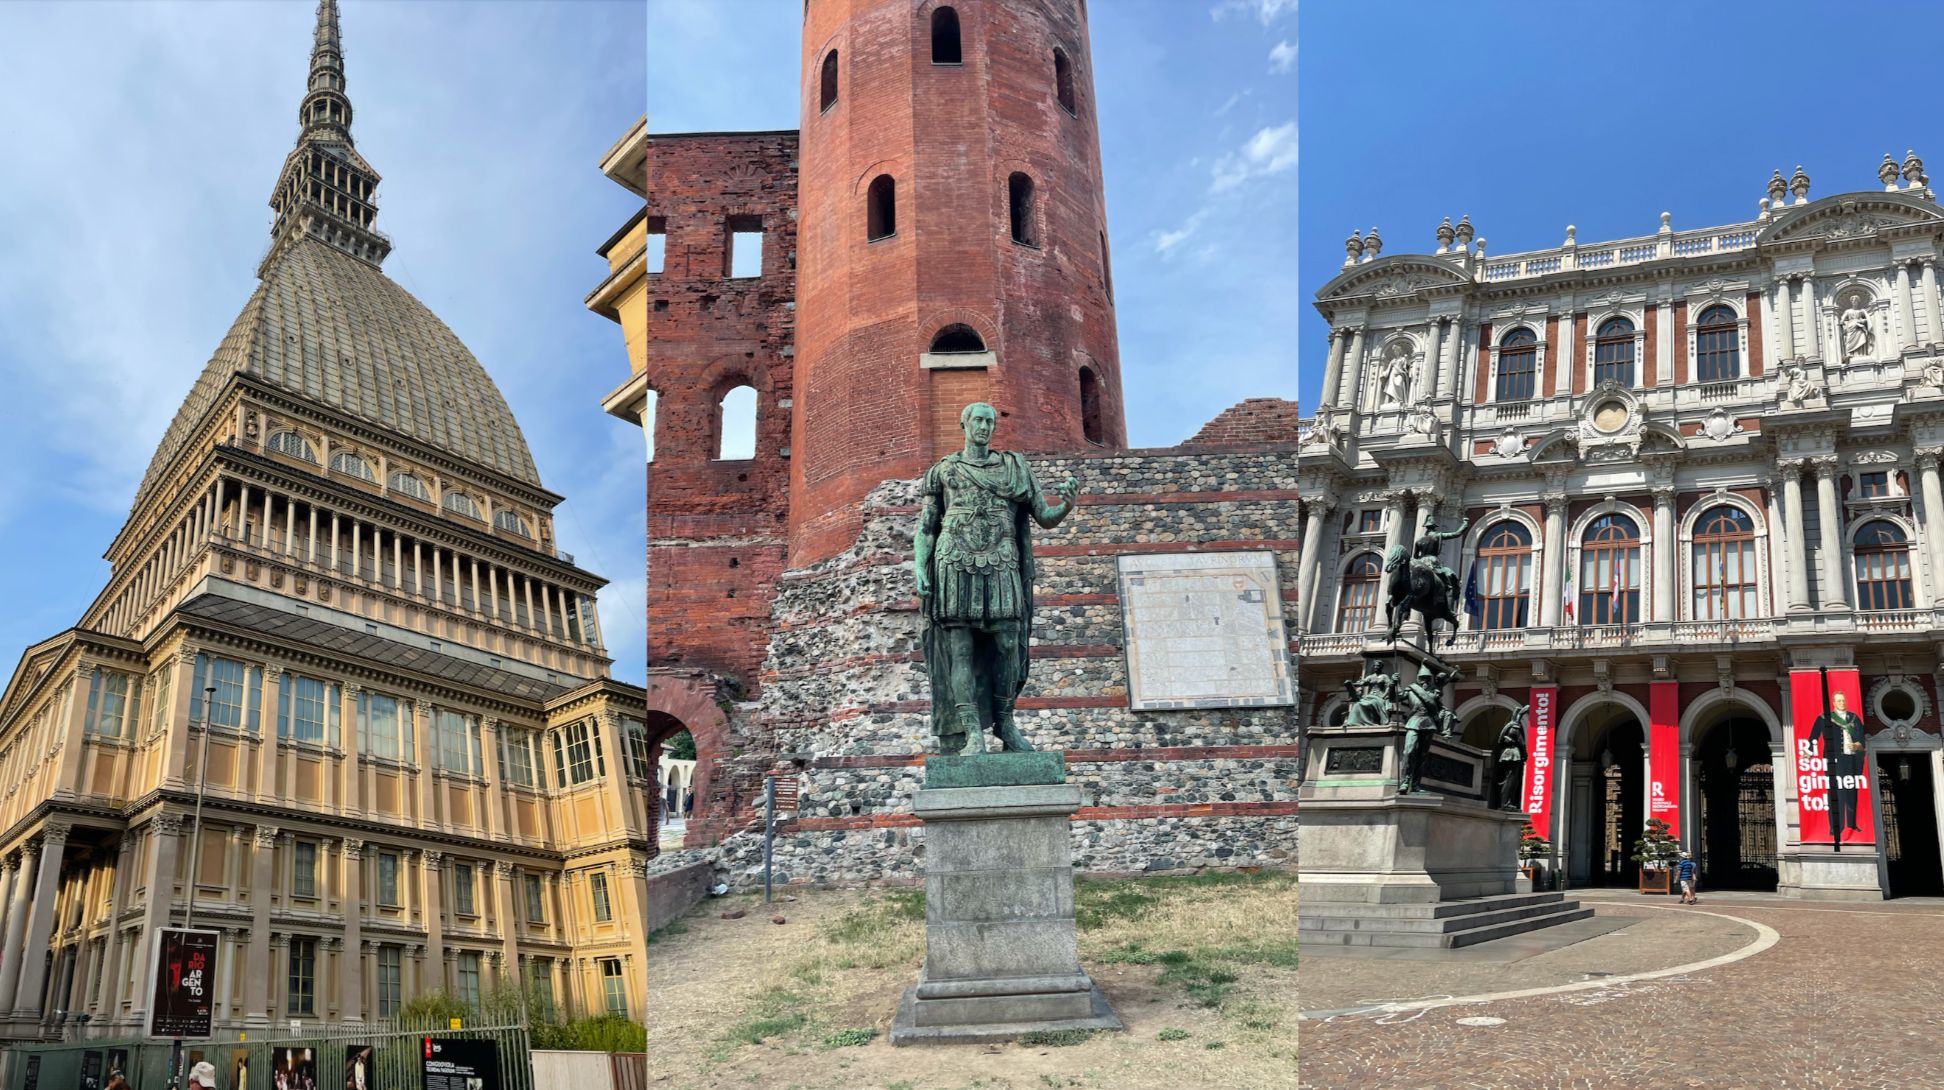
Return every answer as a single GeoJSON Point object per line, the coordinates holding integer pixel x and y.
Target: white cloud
{"type": "Point", "coordinates": [1165, 241]}
{"type": "Point", "coordinates": [1270, 151]}
{"type": "Point", "coordinates": [1283, 57]}
{"type": "Point", "coordinates": [1233, 101]}
{"type": "Point", "coordinates": [1266, 10]}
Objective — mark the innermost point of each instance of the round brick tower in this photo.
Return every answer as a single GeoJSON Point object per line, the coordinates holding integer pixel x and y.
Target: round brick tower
{"type": "Point", "coordinates": [952, 246]}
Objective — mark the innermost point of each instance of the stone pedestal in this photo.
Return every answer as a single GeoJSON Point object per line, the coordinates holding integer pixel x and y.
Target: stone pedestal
{"type": "Point", "coordinates": [1001, 956]}
{"type": "Point", "coordinates": [1821, 873]}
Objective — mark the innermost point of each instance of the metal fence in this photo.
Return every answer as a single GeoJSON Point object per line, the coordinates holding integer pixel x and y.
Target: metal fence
{"type": "Point", "coordinates": [313, 1057]}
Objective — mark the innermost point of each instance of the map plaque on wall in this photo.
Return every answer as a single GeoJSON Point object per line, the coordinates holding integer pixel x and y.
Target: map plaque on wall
{"type": "Point", "coordinates": [1204, 630]}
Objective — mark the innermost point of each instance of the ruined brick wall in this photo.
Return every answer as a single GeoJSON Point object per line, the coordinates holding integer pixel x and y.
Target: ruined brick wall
{"type": "Point", "coordinates": [717, 528]}
{"type": "Point", "coordinates": [950, 137]}
{"type": "Point", "coordinates": [845, 699]}
{"type": "Point", "coordinates": [1256, 420]}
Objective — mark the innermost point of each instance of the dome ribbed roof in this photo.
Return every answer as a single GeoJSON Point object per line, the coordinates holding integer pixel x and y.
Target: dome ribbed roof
{"type": "Point", "coordinates": [334, 329]}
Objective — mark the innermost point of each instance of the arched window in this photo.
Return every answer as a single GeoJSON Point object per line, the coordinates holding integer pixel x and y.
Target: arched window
{"type": "Point", "coordinates": [1518, 366]}
{"type": "Point", "coordinates": [1717, 345]}
{"type": "Point", "coordinates": [352, 466]}
{"type": "Point", "coordinates": [736, 424]}
{"type": "Point", "coordinates": [827, 97]}
{"type": "Point", "coordinates": [958, 337]}
{"type": "Point", "coordinates": [1613, 352]}
{"type": "Point", "coordinates": [1883, 567]}
{"type": "Point", "coordinates": [511, 522]}
{"type": "Point", "coordinates": [945, 37]}
{"type": "Point", "coordinates": [1357, 600]}
{"type": "Point", "coordinates": [410, 485]}
{"type": "Point", "coordinates": [1609, 572]}
{"type": "Point", "coordinates": [1505, 575]}
{"type": "Point", "coordinates": [1063, 79]}
{"type": "Point", "coordinates": [291, 444]}
{"type": "Point", "coordinates": [1090, 419]}
{"type": "Point", "coordinates": [881, 208]}
{"type": "Point", "coordinates": [1724, 565]}
{"type": "Point", "coordinates": [460, 503]}
{"type": "Point", "coordinates": [1019, 197]}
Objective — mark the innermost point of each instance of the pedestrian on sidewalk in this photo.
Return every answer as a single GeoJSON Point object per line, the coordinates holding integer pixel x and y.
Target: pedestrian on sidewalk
{"type": "Point", "coordinates": [1685, 872]}
{"type": "Point", "coordinates": [201, 1076]}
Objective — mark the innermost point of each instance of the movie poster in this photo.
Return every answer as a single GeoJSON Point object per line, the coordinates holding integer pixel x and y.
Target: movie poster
{"type": "Point", "coordinates": [453, 1064]}
{"type": "Point", "coordinates": [240, 1069]}
{"type": "Point", "coordinates": [293, 1068]}
{"type": "Point", "coordinates": [185, 973]}
{"type": "Point", "coordinates": [358, 1067]}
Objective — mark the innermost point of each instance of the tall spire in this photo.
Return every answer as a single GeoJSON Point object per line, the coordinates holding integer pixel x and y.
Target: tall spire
{"type": "Point", "coordinates": [326, 191]}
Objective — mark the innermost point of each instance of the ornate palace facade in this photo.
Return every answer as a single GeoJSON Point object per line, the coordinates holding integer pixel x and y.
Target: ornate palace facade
{"type": "Point", "coordinates": [338, 605]}
{"type": "Point", "coordinates": [1700, 469]}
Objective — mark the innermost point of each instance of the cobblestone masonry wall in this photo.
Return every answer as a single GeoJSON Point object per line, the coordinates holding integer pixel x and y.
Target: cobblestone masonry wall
{"type": "Point", "coordinates": [844, 703]}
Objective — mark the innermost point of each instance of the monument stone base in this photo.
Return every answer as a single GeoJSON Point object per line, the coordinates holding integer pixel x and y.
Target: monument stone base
{"type": "Point", "coordinates": [1001, 953]}
{"type": "Point", "coordinates": [1821, 873]}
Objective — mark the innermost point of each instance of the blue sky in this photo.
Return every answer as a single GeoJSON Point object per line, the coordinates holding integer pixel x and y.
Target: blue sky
{"type": "Point", "coordinates": [1198, 135]}
{"type": "Point", "coordinates": [141, 144]}
{"type": "Point", "coordinates": [1598, 115]}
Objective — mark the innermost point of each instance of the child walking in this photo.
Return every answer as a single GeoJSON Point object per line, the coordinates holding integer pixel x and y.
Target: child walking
{"type": "Point", "coordinates": [1685, 872]}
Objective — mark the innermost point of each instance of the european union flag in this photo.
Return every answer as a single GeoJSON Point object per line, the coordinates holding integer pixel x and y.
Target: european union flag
{"type": "Point", "coordinates": [1474, 605]}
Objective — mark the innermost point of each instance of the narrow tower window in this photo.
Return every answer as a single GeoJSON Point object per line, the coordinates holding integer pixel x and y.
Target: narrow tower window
{"type": "Point", "coordinates": [1106, 268]}
{"type": "Point", "coordinates": [882, 213]}
{"type": "Point", "coordinates": [1020, 190]}
{"type": "Point", "coordinates": [828, 98]}
{"type": "Point", "coordinates": [945, 37]}
{"type": "Point", "coordinates": [1063, 79]}
{"type": "Point", "coordinates": [958, 337]}
{"type": "Point", "coordinates": [657, 243]}
{"type": "Point", "coordinates": [745, 257]}
{"type": "Point", "coordinates": [736, 424]}
{"type": "Point", "coordinates": [1090, 423]}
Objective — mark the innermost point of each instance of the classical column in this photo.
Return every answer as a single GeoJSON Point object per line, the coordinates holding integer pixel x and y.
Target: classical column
{"type": "Point", "coordinates": [357, 549]}
{"type": "Point", "coordinates": [1928, 281]}
{"type": "Point", "coordinates": [118, 903]}
{"type": "Point", "coordinates": [350, 800]}
{"type": "Point", "coordinates": [1433, 357]}
{"type": "Point", "coordinates": [492, 590]}
{"type": "Point", "coordinates": [1353, 371]}
{"type": "Point", "coordinates": [1554, 554]}
{"type": "Point", "coordinates": [433, 862]}
{"type": "Point", "coordinates": [1665, 551]}
{"type": "Point", "coordinates": [256, 1000]}
{"type": "Point", "coordinates": [351, 963]}
{"type": "Point", "coordinates": [546, 610]}
{"type": "Point", "coordinates": [1906, 315]}
{"type": "Point", "coordinates": [310, 538]}
{"type": "Point", "coordinates": [426, 758]}
{"type": "Point", "coordinates": [398, 561]}
{"type": "Point", "coordinates": [1333, 370]}
{"type": "Point", "coordinates": [265, 525]}
{"type": "Point", "coordinates": [1932, 524]}
{"type": "Point", "coordinates": [69, 745]}
{"type": "Point", "coordinates": [1798, 553]}
{"type": "Point", "coordinates": [504, 875]}
{"type": "Point", "coordinates": [290, 528]}
{"type": "Point", "coordinates": [479, 604]}
{"type": "Point", "coordinates": [334, 541]}
{"type": "Point", "coordinates": [1778, 539]}
{"type": "Point", "coordinates": [1787, 310]}
{"type": "Point", "coordinates": [492, 791]}
{"type": "Point", "coordinates": [1829, 513]}
{"type": "Point", "coordinates": [275, 677]}
{"type": "Point", "coordinates": [21, 871]}
{"type": "Point", "coordinates": [1397, 502]}
{"type": "Point", "coordinates": [40, 923]}
{"type": "Point", "coordinates": [418, 569]}
{"type": "Point", "coordinates": [1310, 560]}
{"type": "Point", "coordinates": [526, 591]}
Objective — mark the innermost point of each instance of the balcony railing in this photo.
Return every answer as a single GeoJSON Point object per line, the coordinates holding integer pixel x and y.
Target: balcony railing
{"type": "Point", "coordinates": [1633, 251]}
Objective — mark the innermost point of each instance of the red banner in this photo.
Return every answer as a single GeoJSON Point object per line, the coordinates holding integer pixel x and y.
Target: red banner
{"type": "Point", "coordinates": [1831, 765]}
{"type": "Point", "coordinates": [1539, 758]}
{"type": "Point", "coordinates": [1664, 755]}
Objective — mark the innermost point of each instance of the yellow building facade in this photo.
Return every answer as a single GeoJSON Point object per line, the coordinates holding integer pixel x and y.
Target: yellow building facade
{"type": "Point", "coordinates": [337, 605]}
{"type": "Point", "coordinates": [623, 295]}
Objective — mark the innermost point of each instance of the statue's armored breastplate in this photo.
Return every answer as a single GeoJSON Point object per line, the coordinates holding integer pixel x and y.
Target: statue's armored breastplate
{"type": "Point", "coordinates": [977, 534]}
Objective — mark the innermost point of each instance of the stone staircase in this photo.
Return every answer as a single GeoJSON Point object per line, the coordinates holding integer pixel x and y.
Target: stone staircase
{"type": "Point", "coordinates": [1447, 924]}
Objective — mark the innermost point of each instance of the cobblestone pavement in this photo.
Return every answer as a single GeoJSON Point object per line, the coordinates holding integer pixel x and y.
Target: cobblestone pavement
{"type": "Point", "coordinates": [1849, 999]}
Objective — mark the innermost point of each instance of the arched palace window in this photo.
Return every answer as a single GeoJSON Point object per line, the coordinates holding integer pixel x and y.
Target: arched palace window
{"type": "Point", "coordinates": [1505, 575]}
{"type": "Point", "coordinates": [1357, 600]}
{"type": "Point", "coordinates": [1883, 567]}
{"type": "Point", "coordinates": [1610, 572]}
{"type": "Point", "coordinates": [1717, 345]}
{"type": "Point", "coordinates": [1613, 352]}
{"type": "Point", "coordinates": [1518, 366]}
{"type": "Point", "coordinates": [1725, 577]}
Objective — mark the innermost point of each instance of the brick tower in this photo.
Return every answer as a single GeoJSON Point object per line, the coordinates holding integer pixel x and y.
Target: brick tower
{"type": "Point", "coordinates": [952, 246]}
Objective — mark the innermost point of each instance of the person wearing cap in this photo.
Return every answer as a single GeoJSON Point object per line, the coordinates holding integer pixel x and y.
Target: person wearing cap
{"type": "Point", "coordinates": [1684, 871]}
{"type": "Point", "coordinates": [202, 1076]}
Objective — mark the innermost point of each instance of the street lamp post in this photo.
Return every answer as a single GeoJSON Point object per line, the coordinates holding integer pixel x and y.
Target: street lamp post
{"type": "Point", "coordinates": [195, 827]}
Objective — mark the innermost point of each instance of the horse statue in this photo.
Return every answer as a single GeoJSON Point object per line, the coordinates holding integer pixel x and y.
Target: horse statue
{"type": "Point", "coordinates": [1420, 583]}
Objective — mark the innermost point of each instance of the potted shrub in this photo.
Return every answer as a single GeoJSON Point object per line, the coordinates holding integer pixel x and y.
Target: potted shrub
{"type": "Point", "coordinates": [1656, 853]}
{"type": "Point", "coordinates": [1533, 848]}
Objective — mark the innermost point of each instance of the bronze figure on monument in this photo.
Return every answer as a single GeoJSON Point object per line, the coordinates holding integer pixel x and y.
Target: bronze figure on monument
{"type": "Point", "coordinates": [1421, 583]}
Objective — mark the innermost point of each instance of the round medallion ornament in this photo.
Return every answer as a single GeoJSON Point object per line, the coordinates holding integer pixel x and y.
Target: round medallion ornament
{"type": "Point", "coordinates": [1898, 702]}
{"type": "Point", "coordinates": [1610, 417]}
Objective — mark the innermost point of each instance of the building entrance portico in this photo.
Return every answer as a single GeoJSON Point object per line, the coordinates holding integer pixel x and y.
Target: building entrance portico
{"type": "Point", "coordinates": [1606, 797]}
{"type": "Point", "coordinates": [1732, 772]}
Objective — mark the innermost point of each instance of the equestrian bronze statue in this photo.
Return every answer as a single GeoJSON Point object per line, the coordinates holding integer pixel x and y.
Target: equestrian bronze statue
{"type": "Point", "coordinates": [1419, 582]}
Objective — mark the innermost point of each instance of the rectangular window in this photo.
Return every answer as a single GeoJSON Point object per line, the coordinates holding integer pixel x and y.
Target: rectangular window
{"type": "Point", "coordinates": [225, 705]}
{"type": "Point", "coordinates": [451, 728]}
{"type": "Point", "coordinates": [388, 879]}
{"type": "Point", "coordinates": [462, 888]}
{"type": "Point", "coordinates": [303, 976]}
{"type": "Point", "coordinates": [560, 760]}
{"type": "Point", "coordinates": [516, 755]}
{"type": "Point", "coordinates": [597, 885]}
{"type": "Point", "coordinates": [614, 987]}
{"type": "Point", "coordinates": [580, 753]}
{"type": "Point", "coordinates": [657, 244]}
{"type": "Point", "coordinates": [391, 978]}
{"type": "Point", "coordinates": [469, 978]}
{"type": "Point", "coordinates": [745, 256]}
{"type": "Point", "coordinates": [540, 984]}
{"type": "Point", "coordinates": [536, 900]}
{"type": "Point", "coordinates": [162, 687]}
{"type": "Point", "coordinates": [637, 743]}
{"type": "Point", "coordinates": [1875, 484]}
{"type": "Point", "coordinates": [304, 876]}
{"type": "Point", "coordinates": [380, 726]}
{"type": "Point", "coordinates": [107, 703]}
{"type": "Point", "coordinates": [300, 709]}
{"type": "Point", "coordinates": [1370, 522]}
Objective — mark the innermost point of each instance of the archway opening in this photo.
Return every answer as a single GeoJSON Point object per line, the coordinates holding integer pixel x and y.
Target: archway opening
{"type": "Point", "coordinates": [1907, 794]}
{"type": "Point", "coordinates": [1608, 798]}
{"type": "Point", "coordinates": [680, 774]}
{"type": "Point", "coordinates": [1481, 728]}
{"type": "Point", "coordinates": [1734, 796]}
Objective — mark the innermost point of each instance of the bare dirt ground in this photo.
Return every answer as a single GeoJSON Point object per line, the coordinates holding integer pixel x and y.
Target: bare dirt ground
{"type": "Point", "coordinates": [1201, 969]}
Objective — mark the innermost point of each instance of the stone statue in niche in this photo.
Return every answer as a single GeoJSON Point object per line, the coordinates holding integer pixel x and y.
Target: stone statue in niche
{"type": "Point", "coordinates": [974, 564]}
{"type": "Point", "coordinates": [1797, 389]}
{"type": "Point", "coordinates": [1397, 376]}
{"type": "Point", "coordinates": [1508, 763]}
{"type": "Point", "coordinates": [1934, 374]}
{"type": "Point", "coordinates": [1858, 338]}
{"type": "Point", "coordinates": [1370, 699]}
{"type": "Point", "coordinates": [1425, 698]}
